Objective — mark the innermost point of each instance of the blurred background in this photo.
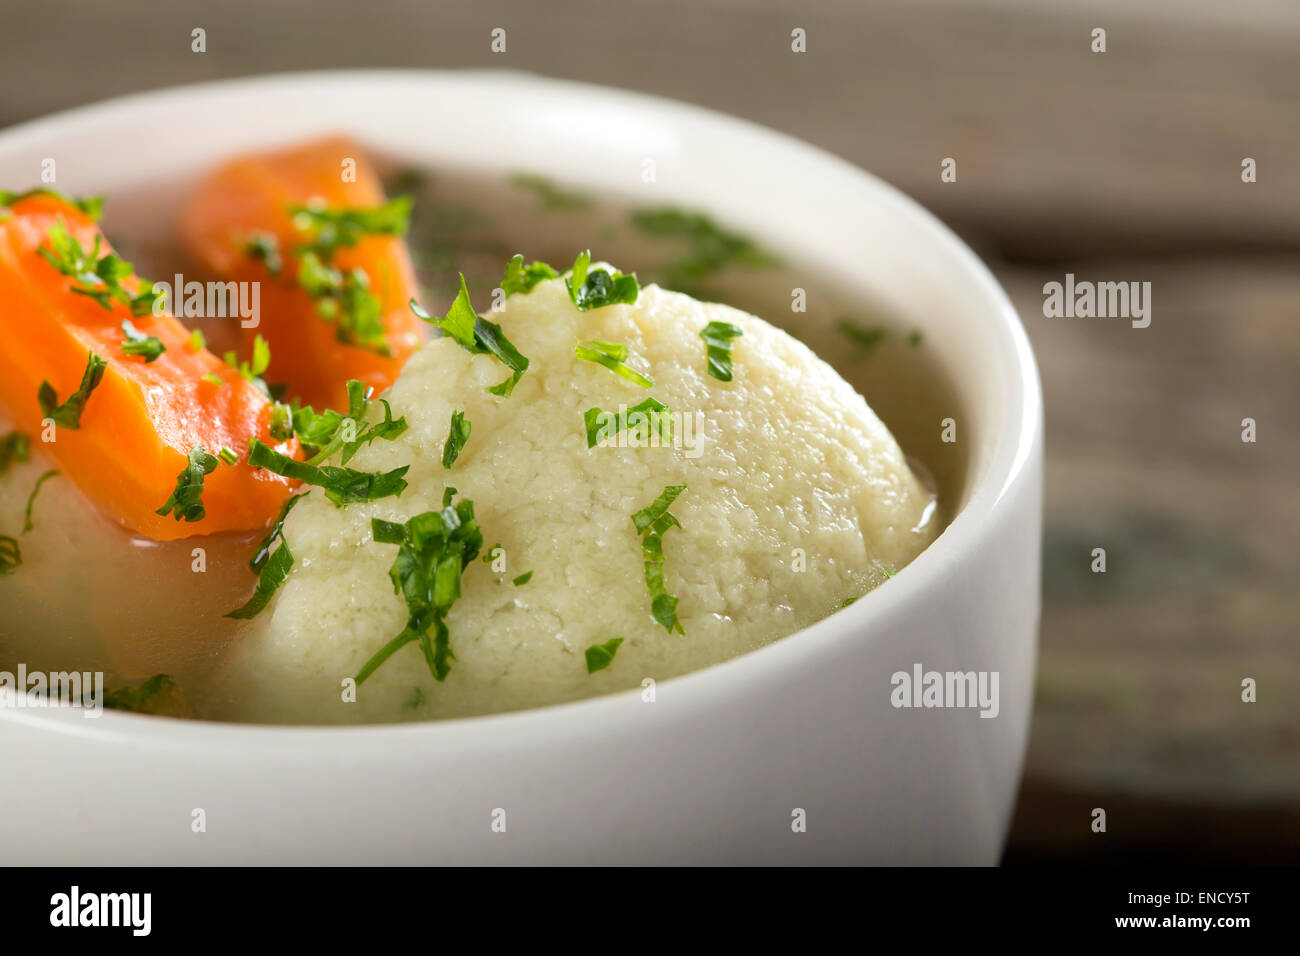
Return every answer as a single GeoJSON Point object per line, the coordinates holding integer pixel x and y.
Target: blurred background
{"type": "Point", "coordinates": [1117, 166]}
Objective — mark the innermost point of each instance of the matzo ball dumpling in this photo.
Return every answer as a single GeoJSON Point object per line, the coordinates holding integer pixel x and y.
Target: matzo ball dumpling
{"type": "Point", "coordinates": [796, 499]}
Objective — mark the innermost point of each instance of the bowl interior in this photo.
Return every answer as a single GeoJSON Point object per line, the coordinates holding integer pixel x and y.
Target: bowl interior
{"type": "Point", "coordinates": [801, 202]}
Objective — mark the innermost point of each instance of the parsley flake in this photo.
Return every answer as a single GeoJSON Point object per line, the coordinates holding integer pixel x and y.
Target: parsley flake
{"type": "Point", "coordinates": [651, 523]}
{"type": "Point", "coordinates": [600, 656]}
{"type": "Point", "coordinates": [186, 501]}
{"type": "Point", "coordinates": [434, 548]}
{"type": "Point", "coordinates": [137, 343]}
{"type": "Point", "coordinates": [456, 438]}
{"type": "Point", "coordinates": [342, 486]}
{"type": "Point", "coordinates": [717, 340]}
{"type": "Point", "coordinates": [644, 420]}
{"type": "Point", "coordinates": [596, 288]}
{"type": "Point", "coordinates": [68, 414]}
{"type": "Point", "coordinates": [612, 356]}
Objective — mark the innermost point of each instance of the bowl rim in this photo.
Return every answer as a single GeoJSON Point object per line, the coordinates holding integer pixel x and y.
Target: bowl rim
{"type": "Point", "coordinates": [1018, 423]}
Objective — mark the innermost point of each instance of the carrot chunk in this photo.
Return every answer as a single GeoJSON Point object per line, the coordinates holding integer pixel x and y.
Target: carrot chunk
{"type": "Point", "coordinates": [246, 223]}
{"type": "Point", "coordinates": [124, 423]}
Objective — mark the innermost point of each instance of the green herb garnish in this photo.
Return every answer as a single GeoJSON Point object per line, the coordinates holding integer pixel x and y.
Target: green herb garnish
{"type": "Point", "coordinates": [91, 206]}
{"type": "Point", "coordinates": [596, 288]}
{"type": "Point", "coordinates": [915, 337]}
{"type": "Point", "coordinates": [228, 456]}
{"type": "Point", "coordinates": [599, 656]}
{"type": "Point", "coordinates": [456, 438]}
{"type": "Point", "coordinates": [31, 499]}
{"type": "Point", "coordinates": [433, 551]}
{"type": "Point", "coordinates": [265, 248]}
{"type": "Point", "coordinates": [346, 300]}
{"type": "Point", "coordinates": [522, 579]}
{"type": "Point", "coordinates": [11, 556]}
{"type": "Point", "coordinates": [612, 356]}
{"type": "Point", "coordinates": [478, 336]}
{"type": "Point", "coordinates": [68, 414]}
{"type": "Point", "coordinates": [273, 573]}
{"type": "Point", "coordinates": [717, 339]}
{"type": "Point", "coordinates": [522, 278]}
{"type": "Point", "coordinates": [866, 338]}
{"type": "Point", "coordinates": [213, 378]}
{"type": "Point", "coordinates": [99, 278]}
{"type": "Point", "coordinates": [137, 343]}
{"type": "Point", "coordinates": [148, 698]}
{"type": "Point", "coordinates": [651, 524]}
{"type": "Point", "coordinates": [276, 533]}
{"type": "Point", "coordinates": [334, 227]}
{"type": "Point", "coordinates": [325, 434]}
{"type": "Point", "coordinates": [13, 447]}
{"type": "Point", "coordinates": [342, 485]}
{"type": "Point", "coordinates": [709, 248]}
{"type": "Point", "coordinates": [552, 197]}
{"type": "Point", "coordinates": [253, 369]}
{"type": "Point", "coordinates": [644, 419]}
{"type": "Point", "coordinates": [186, 501]}
{"type": "Point", "coordinates": [197, 341]}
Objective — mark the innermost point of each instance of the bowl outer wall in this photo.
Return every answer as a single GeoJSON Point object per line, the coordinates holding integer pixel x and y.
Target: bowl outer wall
{"type": "Point", "coordinates": [714, 769]}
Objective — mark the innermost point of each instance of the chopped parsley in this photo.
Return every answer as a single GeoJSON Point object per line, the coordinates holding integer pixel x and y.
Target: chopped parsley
{"type": "Point", "coordinates": [551, 196]}
{"type": "Point", "coordinates": [186, 501]}
{"type": "Point", "coordinates": [31, 499]}
{"type": "Point", "coordinates": [265, 248]}
{"type": "Point", "coordinates": [612, 356]}
{"type": "Point", "coordinates": [644, 419]}
{"type": "Point", "coordinates": [342, 485]}
{"type": "Point", "coordinates": [596, 288]}
{"type": "Point", "coordinates": [522, 278]}
{"type": "Point", "coordinates": [866, 338]}
{"type": "Point", "coordinates": [344, 298]}
{"type": "Point", "coordinates": [68, 414]}
{"type": "Point", "coordinates": [272, 574]}
{"type": "Point", "coordinates": [276, 533]}
{"type": "Point", "coordinates": [252, 370]}
{"type": "Point", "coordinates": [148, 698]}
{"type": "Point", "coordinates": [10, 554]}
{"type": "Point", "coordinates": [13, 447]}
{"type": "Point", "coordinates": [651, 524]}
{"type": "Point", "coordinates": [717, 339]}
{"type": "Point", "coordinates": [456, 438]}
{"type": "Point", "coordinates": [281, 426]}
{"type": "Point", "coordinates": [137, 343]}
{"type": "Point", "coordinates": [478, 336]}
{"type": "Point", "coordinates": [330, 228]}
{"type": "Point", "coordinates": [99, 278]}
{"type": "Point", "coordinates": [91, 206]}
{"type": "Point", "coordinates": [709, 248]}
{"type": "Point", "coordinates": [522, 579]}
{"type": "Point", "coordinates": [434, 548]}
{"type": "Point", "coordinates": [325, 434]}
{"type": "Point", "coordinates": [599, 656]}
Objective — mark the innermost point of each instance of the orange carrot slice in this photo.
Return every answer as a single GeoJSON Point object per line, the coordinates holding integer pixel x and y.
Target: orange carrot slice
{"type": "Point", "coordinates": [142, 419]}
{"type": "Point", "coordinates": [253, 196]}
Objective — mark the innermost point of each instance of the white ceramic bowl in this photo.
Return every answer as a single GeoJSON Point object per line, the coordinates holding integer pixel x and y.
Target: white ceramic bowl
{"type": "Point", "coordinates": [715, 769]}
